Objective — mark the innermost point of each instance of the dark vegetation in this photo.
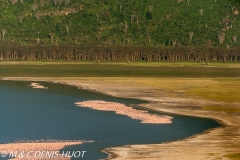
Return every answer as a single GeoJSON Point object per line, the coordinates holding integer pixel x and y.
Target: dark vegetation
{"type": "Point", "coordinates": [120, 53]}
{"type": "Point", "coordinates": [120, 30]}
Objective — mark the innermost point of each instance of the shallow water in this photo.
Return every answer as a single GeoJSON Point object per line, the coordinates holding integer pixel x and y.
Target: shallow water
{"type": "Point", "coordinates": [33, 114]}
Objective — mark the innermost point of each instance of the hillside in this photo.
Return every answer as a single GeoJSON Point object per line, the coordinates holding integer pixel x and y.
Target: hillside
{"type": "Point", "coordinates": [120, 22]}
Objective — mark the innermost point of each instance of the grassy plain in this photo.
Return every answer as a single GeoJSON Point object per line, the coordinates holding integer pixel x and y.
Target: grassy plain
{"type": "Point", "coordinates": [135, 69]}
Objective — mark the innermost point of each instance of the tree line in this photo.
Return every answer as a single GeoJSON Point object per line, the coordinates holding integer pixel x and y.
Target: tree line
{"type": "Point", "coordinates": [118, 53]}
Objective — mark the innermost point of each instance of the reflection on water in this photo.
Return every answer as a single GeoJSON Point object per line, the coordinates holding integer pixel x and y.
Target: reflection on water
{"type": "Point", "coordinates": [34, 114]}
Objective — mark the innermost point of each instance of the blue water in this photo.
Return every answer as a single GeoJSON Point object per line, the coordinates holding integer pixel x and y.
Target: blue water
{"type": "Point", "coordinates": [33, 114]}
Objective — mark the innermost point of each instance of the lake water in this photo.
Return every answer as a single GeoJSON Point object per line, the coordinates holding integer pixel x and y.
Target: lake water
{"type": "Point", "coordinates": [33, 114]}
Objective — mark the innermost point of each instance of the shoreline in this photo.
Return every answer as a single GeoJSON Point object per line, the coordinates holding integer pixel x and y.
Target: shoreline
{"type": "Point", "coordinates": [211, 144]}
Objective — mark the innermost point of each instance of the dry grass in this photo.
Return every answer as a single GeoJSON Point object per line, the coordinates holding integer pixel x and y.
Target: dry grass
{"type": "Point", "coordinates": [220, 89]}
{"type": "Point", "coordinates": [221, 109]}
{"type": "Point", "coordinates": [233, 156]}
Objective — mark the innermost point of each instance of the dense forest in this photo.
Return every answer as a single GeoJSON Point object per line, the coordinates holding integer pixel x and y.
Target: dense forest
{"type": "Point", "coordinates": [120, 30]}
{"type": "Point", "coordinates": [118, 53]}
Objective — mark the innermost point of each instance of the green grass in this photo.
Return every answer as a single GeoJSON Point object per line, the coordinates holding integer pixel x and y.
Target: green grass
{"type": "Point", "coordinates": [47, 69]}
